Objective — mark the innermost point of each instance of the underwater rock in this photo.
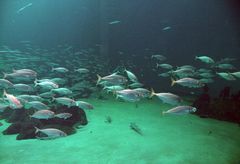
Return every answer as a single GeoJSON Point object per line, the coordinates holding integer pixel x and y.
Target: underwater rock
{"type": "Point", "coordinates": [14, 128]}
{"type": "Point", "coordinates": [18, 115]}
{"type": "Point", "coordinates": [25, 126]}
{"type": "Point", "coordinates": [225, 107]}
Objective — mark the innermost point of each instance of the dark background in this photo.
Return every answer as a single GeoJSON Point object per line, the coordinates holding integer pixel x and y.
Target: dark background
{"type": "Point", "coordinates": [197, 27]}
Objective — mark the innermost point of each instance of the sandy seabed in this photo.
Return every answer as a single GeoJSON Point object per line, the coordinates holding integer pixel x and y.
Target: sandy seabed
{"type": "Point", "coordinates": [167, 139]}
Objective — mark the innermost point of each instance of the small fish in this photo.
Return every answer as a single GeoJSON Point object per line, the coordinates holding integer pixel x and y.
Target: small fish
{"type": "Point", "coordinates": [128, 95]}
{"type": "Point", "coordinates": [14, 102]}
{"type": "Point", "coordinates": [236, 74]}
{"type": "Point", "coordinates": [82, 70]}
{"type": "Point", "coordinates": [166, 28]}
{"type": "Point", "coordinates": [84, 105]}
{"type": "Point", "coordinates": [62, 91]}
{"type": "Point", "coordinates": [36, 105]}
{"type": "Point", "coordinates": [158, 57]}
{"type": "Point", "coordinates": [43, 114]}
{"type": "Point", "coordinates": [131, 76]}
{"type": "Point", "coordinates": [113, 88]}
{"type": "Point", "coordinates": [205, 59]}
{"type": "Point", "coordinates": [4, 83]}
{"type": "Point", "coordinates": [46, 85]}
{"type": "Point", "coordinates": [135, 85]}
{"type": "Point", "coordinates": [114, 22]}
{"type": "Point", "coordinates": [225, 66]}
{"type": "Point", "coordinates": [206, 80]}
{"type": "Point", "coordinates": [112, 79]}
{"type": "Point", "coordinates": [188, 82]}
{"type": "Point", "coordinates": [136, 128]}
{"type": "Point", "coordinates": [144, 93]}
{"type": "Point", "coordinates": [25, 71]}
{"type": "Point", "coordinates": [226, 76]}
{"type": "Point", "coordinates": [180, 110]}
{"type": "Point", "coordinates": [60, 69]}
{"type": "Point", "coordinates": [168, 98]}
{"type": "Point", "coordinates": [24, 7]}
{"type": "Point", "coordinates": [165, 66]}
{"type": "Point", "coordinates": [63, 115]}
{"type": "Point", "coordinates": [23, 87]}
{"type": "Point", "coordinates": [51, 133]}
{"type": "Point", "coordinates": [65, 101]}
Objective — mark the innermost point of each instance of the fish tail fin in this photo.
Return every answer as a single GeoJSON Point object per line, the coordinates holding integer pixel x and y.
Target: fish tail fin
{"type": "Point", "coordinates": [37, 129]}
{"type": "Point", "coordinates": [4, 75]}
{"type": "Point", "coordinates": [157, 65]}
{"type": "Point", "coordinates": [4, 92]}
{"type": "Point", "coordinates": [196, 57]}
{"type": "Point", "coordinates": [53, 99]}
{"type": "Point", "coordinates": [173, 81]}
{"type": "Point", "coordinates": [99, 78]}
{"type": "Point", "coordinates": [152, 93]}
{"type": "Point", "coordinates": [35, 82]}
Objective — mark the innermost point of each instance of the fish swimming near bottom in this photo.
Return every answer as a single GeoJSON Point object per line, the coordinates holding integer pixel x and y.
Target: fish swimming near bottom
{"type": "Point", "coordinates": [50, 133]}
{"type": "Point", "coordinates": [180, 110]}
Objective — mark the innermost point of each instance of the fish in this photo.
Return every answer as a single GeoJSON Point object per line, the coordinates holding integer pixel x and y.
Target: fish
{"type": "Point", "coordinates": [205, 59]}
{"type": "Point", "coordinates": [82, 70]}
{"type": "Point", "coordinates": [165, 66]}
{"type": "Point", "coordinates": [36, 105]}
{"type": "Point", "coordinates": [180, 110]}
{"type": "Point", "coordinates": [236, 74]}
{"type": "Point", "coordinates": [13, 101]}
{"type": "Point", "coordinates": [225, 66]}
{"type": "Point", "coordinates": [43, 114]}
{"type": "Point", "coordinates": [135, 128]}
{"type": "Point", "coordinates": [188, 82]}
{"type": "Point", "coordinates": [226, 76]}
{"type": "Point", "coordinates": [131, 76]}
{"type": "Point", "coordinates": [51, 133]}
{"type": "Point", "coordinates": [24, 7]}
{"type": "Point", "coordinates": [114, 22]}
{"type": "Point", "coordinates": [144, 93]}
{"type": "Point", "coordinates": [128, 95]}
{"type": "Point", "coordinates": [168, 98]}
{"type": "Point", "coordinates": [19, 75]}
{"type": "Point", "coordinates": [60, 69]}
{"type": "Point", "coordinates": [5, 84]}
{"type": "Point", "coordinates": [63, 115]}
{"type": "Point", "coordinates": [28, 98]}
{"type": "Point", "coordinates": [183, 72]}
{"type": "Point", "coordinates": [23, 87]}
{"type": "Point", "coordinates": [84, 105]}
{"type": "Point", "coordinates": [113, 88]}
{"type": "Point", "coordinates": [206, 80]}
{"type": "Point", "coordinates": [112, 79]}
{"type": "Point", "coordinates": [135, 85]}
{"type": "Point", "coordinates": [159, 57]}
{"type": "Point", "coordinates": [65, 101]}
{"type": "Point", "coordinates": [46, 84]}
{"type": "Point", "coordinates": [62, 91]}
{"type": "Point", "coordinates": [25, 71]}
{"type": "Point", "coordinates": [166, 28]}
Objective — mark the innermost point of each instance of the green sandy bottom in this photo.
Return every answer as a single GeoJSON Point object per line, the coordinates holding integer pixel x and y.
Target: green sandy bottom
{"type": "Point", "coordinates": [166, 139]}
